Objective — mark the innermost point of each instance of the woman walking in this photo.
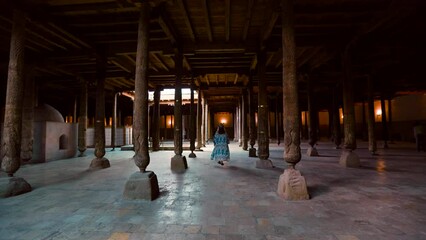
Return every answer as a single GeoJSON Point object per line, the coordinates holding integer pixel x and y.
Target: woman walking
{"type": "Point", "coordinates": [221, 149]}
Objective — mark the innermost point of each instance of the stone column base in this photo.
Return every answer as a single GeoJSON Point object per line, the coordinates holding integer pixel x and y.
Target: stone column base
{"type": "Point", "coordinates": [349, 159]}
{"type": "Point", "coordinates": [142, 185]}
{"type": "Point", "coordinates": [13, 186]}
{"type": "Point", "coordinates": [312, 152]}
{"type": "Point", "coordinates": [292, 185]}
{"type": "Point", "coordinates": [179, 164]}
{"type": "Point", "coordinates": [264, 163]}
{"type": "Point", "coordinates": [192, 155]}
{"type": "Point", "coordinates": [99, 163]}
{"type": "Point", "coordinates": [252, 152]}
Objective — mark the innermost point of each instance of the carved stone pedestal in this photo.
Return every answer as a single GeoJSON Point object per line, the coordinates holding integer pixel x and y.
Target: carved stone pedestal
{"type": "Point", "coordinates": [192, 155]}
{"type": "Point", "coordinates": [292, 185]}
{"type": "Point", "coordinates": [349, 159]}
{"type": "Point", "coordinates": [264, 163]}
{"type": "Point", "coordinates": [142, 185]}
{"type": "Point", "coordinates": [252, 152]}
{"type": "Point", "coordinates": [13, 186]}
{"type": "Point", "coordinates": [99, 163]}
{"type": "Point", "coordinates": [179, 164]}
{"type": "Point", "coordinates": [312, 152]}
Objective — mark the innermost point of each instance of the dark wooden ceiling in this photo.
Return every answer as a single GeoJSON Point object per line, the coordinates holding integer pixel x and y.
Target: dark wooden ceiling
{"type": "Point", "coordinates": [221, 40]}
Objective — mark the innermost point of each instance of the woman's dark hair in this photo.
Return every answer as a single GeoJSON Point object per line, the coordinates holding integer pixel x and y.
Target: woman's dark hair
{"type": "Point", "coordinates": [221, 129]}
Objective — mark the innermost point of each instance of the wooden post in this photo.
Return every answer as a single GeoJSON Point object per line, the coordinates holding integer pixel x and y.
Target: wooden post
{"type": "Point", "coordinates": [372, 145]}
{"type": "Point", "coordinates": [114, 121]}
{"type": "Point", "coordinates": [100, 161]}
{"type": "Point", "coordinates": [178, 162]}
{"type": "Point", "coordinates": [348, 157]}
{"type": "Point", "coordinates": [142, 184]}
{"type": "Point", "coordinates": [291, 185]}
{"type": "Point", "coordinates": [384, 122]}
{"type": "Point", "coordinates": [199, 119]}
{"type": "Point", "coordinates": [336, 119]}
{"type": "Point", "coordinates": [156, 120]}
{"type": "Point", "coordinates": [192, 122]}
{"type": "Point", "coordinates": [277, 125]}
{"type": "Point", "coordinates": [252, 123]}
{"type": "Point", "coordinates": [262, 116]}
{"type": "Point", "coordinates": [82, 120]}
{"type": "Point", "coordinates": [312, 122]}
{"type": "Point", "coordinates": [244, 120]}
{"type": "Point", "coordinates": [28, 116]}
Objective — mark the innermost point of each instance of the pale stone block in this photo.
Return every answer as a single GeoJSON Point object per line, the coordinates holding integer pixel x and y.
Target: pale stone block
{"type": "Point", "coordinates": [179, 164]}
{"type": "Point", "coordinates": [264, 164]}
{"type": "Point", "coordinates": [142, 185]}
{"type": "Point", "coordinates": [312, 152]}
{"type": "Point", "coordinates": [13, 186]}
{"type": "Point", "coordinates": [292, 185]}
{"type": "Point", "coordinates": [349, 159]}
{"type": "Point", "coordinates": [99, 163]}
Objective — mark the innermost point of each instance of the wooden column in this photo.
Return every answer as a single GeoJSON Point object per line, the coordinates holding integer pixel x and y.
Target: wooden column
{"type": "Point", "coordinates": [291, 185]}
{"type": "Point", "coordinates": [312, 121]}
{"type": "Point", "coordinates": [82, 119]}
{"type": "Point", "coordinates": [262, 116]}
{"type": "Point", "coordinates": [192, 122]}
{"type": "Point", "coordinates": [100, 161]}
{"type": "Point", "coordinates": [372, 145]}
{"type": "Point", "coordinates": [277, 124]}
{"type": "Point", "coordinates": [203, 122]}
{"type": "Point", "coordinates": [336, 119]}
{"type": "Point", "coordinates": [240, 122]}
{"type": "Point", "coordinates": [385, 133]}
{"type": "Point", "coordinates": [28, 116]}
{"type": "Point", "coordinates": [156, 120]}
{"type": "Point", "coordinates": [244, 120]}
{"type": "Point", "coordinates": [390, 130]}
{"type": "Point", "coordinates": [12, 129]}
{"type": "Point", "coordinates": [178, 162]}
{"type": "Point", "coordinates": [199, 119]}
{"type": "Point", "coordinates": [114, 121]}
{"type": "Point", "coordinates": [364, 122]}
{"type": "Point", "coordinates": [252, 122]}
{"type": "Point", "coordinates": [348, 157]}
{"type": "Point", "coordinates": [142, 184]}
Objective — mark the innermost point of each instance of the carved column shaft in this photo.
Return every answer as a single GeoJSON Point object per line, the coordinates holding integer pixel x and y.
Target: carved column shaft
{"type": "Point", "coordinates": [199, 119]}
{"type": "Point", "coordinates": [245, 122]}
{"type": "Point", "coordinates": [252, 119]}
{"type": "Point", "coordinates": [100, 106]}
{"type": "Point", "coordinates": [385, 133]}
{"type": "Point", "coordinates": [178, 105]}
{"type": "Point", "coordinates": [140, 115]}
{"type": "Point", "coordinates": [192, 119]}
{"type": "Point", "coordinates": [263, 110]}
{"type": "Point", "coordinates": [156, 120]}
{"type": "Point", "coordinates": [114, 120]}
{"type": "Point", "coordinates": [11, 140]}
{"type": "Point", "coordinates": [313, 115]}
{"type": "Point", "coordinates": [336, 118]}
{"type": "Point", "coordinates": [82, 120]}
{"type": "Point", "coordinates": [291, 114]}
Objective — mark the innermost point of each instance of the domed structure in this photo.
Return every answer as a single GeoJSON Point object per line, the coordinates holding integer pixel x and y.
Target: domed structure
{"type": "Point", "coordinates": [46, 113]}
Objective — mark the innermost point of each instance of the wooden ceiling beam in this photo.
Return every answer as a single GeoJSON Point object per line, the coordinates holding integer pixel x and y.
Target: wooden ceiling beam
{"type": "Point", "coordinates": [206, 12]}
{"type": "Point", "coordinates": [248, 19]}
{"type": "Point", "coordinates": [227, 20]}
{"type": "Point", "coordinates": [269, 25]}
{"type": "Point", "coordinates": [160, 62]}
{"type": "Point", "coordinates": [166, 25]}
{"type": "Point", "coordinates": [187, 20]}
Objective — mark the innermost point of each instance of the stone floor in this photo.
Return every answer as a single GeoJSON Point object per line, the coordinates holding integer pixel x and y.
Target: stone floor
{"type": "Point", "coordinates": [384, 199]}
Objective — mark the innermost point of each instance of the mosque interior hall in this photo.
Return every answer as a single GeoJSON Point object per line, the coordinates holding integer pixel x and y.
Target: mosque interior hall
{"type": "Point", "coordinates": [111, 111]}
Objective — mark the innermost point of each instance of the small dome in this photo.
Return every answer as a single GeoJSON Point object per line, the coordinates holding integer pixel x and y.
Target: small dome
{"type": "Point", "coordinates": [46, 113]}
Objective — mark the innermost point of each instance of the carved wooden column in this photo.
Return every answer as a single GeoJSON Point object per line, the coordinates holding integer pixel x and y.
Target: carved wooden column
{"type": "Point", "coordinates": [100, 161]}
{"type": "Point", "coordinates": [348, 158]}
{"type": "Point", "coordinates": [385, 133]}
{"type": "Point", "coordinates": [178, 162]}
{"type": "Point", "coordinates": [28, 116]}
{"type": "Point", "coordinates": [372, 145]}
{"type": "Point", "coordinates": [336, 118]}
{"type": "Point", "coordinates": [203, 122]}
{"type": "Point", "coordinates": [389, 115]}
{"type": "Point", "coordinates": [240, 122]}
{"type": "Point", "coordinates": [142, 184]}
{"type": "Point", "coordinates": [114, 121]}
{"type": "Point", "coordinates": [263, 116]}
{"type": "Point", "coordinates": [199, 119]}
{"type": "Point", "coordinates": [245, 122]}
{"type": "Point", "coordinates": [192, 122]}
{"type": "Point", "coordinates": [312, 121]}
{"type": "Point", "coordinates": [277, 121]}
{"type": "Point", "coordinates": [291, 185]}
{"type": "Point", "coordinates": [11, 140]}
{"type": "Point", "coordinates": [82, 119]}
{"type": "Point", "coordinates": [252, 122]}
{"type": "Point", "coordinates": [156, 120]}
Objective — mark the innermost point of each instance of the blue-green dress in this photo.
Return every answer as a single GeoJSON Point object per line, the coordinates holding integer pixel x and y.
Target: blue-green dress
{"type": "Point", "coordinates": [221, 148]}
